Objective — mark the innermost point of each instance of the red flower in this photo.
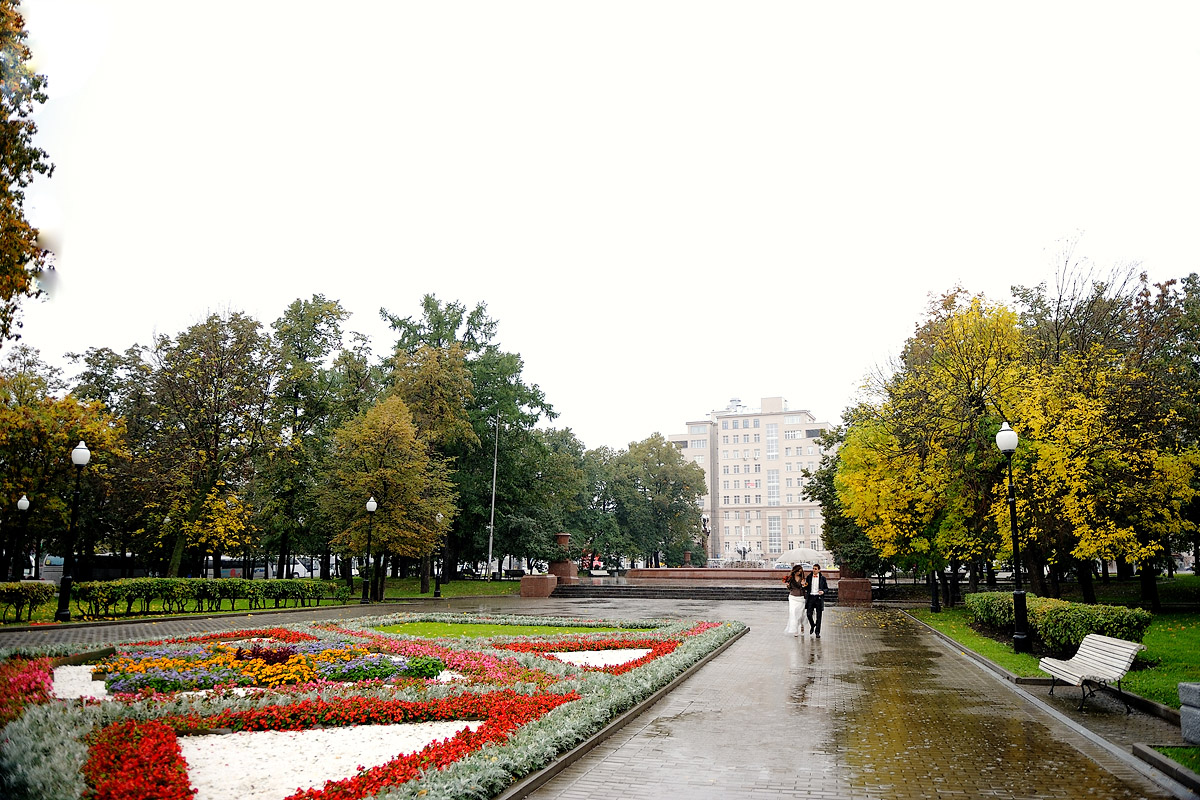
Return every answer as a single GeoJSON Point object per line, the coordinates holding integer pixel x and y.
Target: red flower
{"type": "Point", "coordinates": [136, 761]}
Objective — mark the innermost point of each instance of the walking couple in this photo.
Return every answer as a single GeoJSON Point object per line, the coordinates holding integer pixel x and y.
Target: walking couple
{"type": "Point", "coordinates": [806, 593]}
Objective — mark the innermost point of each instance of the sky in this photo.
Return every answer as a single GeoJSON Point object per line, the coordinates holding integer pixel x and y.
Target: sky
{"type": "Point", "coordinates": [664, 205]}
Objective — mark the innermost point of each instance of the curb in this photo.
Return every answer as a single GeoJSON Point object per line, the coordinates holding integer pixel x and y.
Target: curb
{"type": "Point", "coordinates": [1167, 766]}
{"type": "Point", "coordinates": [535, 780]}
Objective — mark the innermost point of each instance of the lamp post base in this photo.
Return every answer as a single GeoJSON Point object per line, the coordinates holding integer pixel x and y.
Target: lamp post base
{"type": "Point", "coordinates": [1021, 641]}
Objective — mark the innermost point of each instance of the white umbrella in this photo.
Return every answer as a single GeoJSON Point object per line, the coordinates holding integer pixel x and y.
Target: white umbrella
{"type": "Point", "coordinates": [799, 555]}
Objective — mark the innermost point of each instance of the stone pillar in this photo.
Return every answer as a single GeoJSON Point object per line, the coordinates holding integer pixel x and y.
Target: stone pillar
{"type": "Point", "coordinates": [853, 588]}
{"type": "Point", "coordinates": [1189, 711]}
{"type": "Point", "coordinates": [566, 571]}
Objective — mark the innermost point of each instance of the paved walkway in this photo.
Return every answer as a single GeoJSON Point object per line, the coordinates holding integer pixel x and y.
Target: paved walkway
{"type": "Point", "coordinates": [876, 708]}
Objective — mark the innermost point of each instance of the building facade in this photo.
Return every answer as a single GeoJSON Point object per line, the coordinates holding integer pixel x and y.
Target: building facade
{"type": "Point", "coordinates": [753, 459]}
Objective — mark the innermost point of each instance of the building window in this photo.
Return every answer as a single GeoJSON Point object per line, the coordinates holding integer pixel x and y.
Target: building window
{"type": "Point", "coordinates": [724, 484]}
{"type": "Point", "coordinates": [699, 443]}
{"type": "Point", "coordinates": [758, 498]}
{"type": "Point", "coordinates": [772, 441]}
{"type": "Point", "coordinates": [698, 429]}
{"type": "Point", "coordinates": [812, 512]}
{"type": "Point", "coordinates": [789, 498]}
{"type": "Point", "coordinates": [727, 547]}
{"type": "Point", "coordinates": [813, 433]}
{"type": "Point", "coordinates": [772, 487]}
{"type": "Point", "coordinates": [756, 423]}
{"type": "Point", "coordinates": [727, 513]}
{"type": "Point", "coordinates": [747, 499]}
{"type": "Point", "coordinates": [737, 468]}
{"type": "Point", "coordinates": [810, 450]}
{"type": "Point", "coordinates": [724, 469]}
{"type": "Point", "coordinates": [789, 483]}
{"type": "Point", "coordinates": [758, 467]}
{"type": "Point", "coordinates": [813, 543]}
{"type": "Point", "coordinates": [774, 535]}
{"type": "Point", "coordinates": [791, 435]}
{"type": "Point", "coordinates": [724, 424]}
{"type": "Point", "coordinates": [725, 439]}
{"type": "Point", "coordinates": [737, 484]}
{"type": "Point", "coordinates": [726, 499]}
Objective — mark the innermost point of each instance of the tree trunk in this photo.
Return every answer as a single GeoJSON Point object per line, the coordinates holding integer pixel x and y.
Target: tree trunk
{"type": "Point", "coordinates": [1086, 585]}
{"type": "Point", "coordinates": [1124, 569]}
{"type": "Point", "coordinates": [426, 564]}
{"type": "Point", "coordinates": [1149, 584]}
{"type": "Point", "coordinates": [176, 556]}
{"type": "Point", "coordinates": [326, 564]}
{"type": "Point", "coordinates": [1104, 570]}
{"type": "Point", "coordinates": [379, 577]}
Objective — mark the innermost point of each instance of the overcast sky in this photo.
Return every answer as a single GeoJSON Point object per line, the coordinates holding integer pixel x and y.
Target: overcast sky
{"type": "Point", "coordinates": [664, 204]}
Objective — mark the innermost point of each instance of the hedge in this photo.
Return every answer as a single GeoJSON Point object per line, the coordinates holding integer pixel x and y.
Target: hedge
{"type": "Point", "coordinates": [1059, 625]}
{"type": "Point", "coordinates": [24, 596]}
{"type": "Point", "coordinates": [105, 598]}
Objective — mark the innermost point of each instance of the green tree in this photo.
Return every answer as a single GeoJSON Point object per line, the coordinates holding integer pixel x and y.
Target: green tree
{"type": "Point", "coordinates": [303, 413]}
{"type": "Point", "coordinates": [380, 455]}
{"type": "Point", "coordinates": [23, 258]}
{"type": "Point", "coordinates": [212, 387]}
{"type": "Point", "coordinates": [656, 492]}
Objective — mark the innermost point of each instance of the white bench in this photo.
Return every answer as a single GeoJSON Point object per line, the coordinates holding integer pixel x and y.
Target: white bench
{"type": "Point", "coordinates": [1100, 660]}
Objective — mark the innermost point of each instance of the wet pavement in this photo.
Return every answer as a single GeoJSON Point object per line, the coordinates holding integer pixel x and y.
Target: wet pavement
{"type": "Point", "coordinates": [878, 707]}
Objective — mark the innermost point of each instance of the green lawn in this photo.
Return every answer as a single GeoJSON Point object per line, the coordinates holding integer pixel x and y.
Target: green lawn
{"type": "Point", "coordinates": [1187, 756]}
{"type": "Point", "coordinates": [953, 623]}
{"type": "Point", "coordinates": [1171, 657]}
{"type": "Point", "coordinates": [1173, 650]}
{"type": "Point", "coordinates": [439, 630]}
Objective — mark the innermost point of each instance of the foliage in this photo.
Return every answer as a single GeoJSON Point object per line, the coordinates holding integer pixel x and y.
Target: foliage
{"type": "Point", "coordinates": [23, 256]}
{"type": "Point", "coordinates": [1058, 625]}
{"type": "Point", "coordinates": [379, 455]}
{"type": "Point", "coordinates": [25, 597]}
{"type": "Point", "coordinates": [656, 492]}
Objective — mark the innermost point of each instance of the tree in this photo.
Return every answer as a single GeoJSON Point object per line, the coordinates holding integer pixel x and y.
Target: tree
{"type": "Point", "coordinates": [379, 455]}
{"type": "Point", "coordinates": [303, 412]}
{"type": "Point", "coordinates": [23, 258]}
{"type": "Point", "coordinates": [211, 386]}
{"type": "Point", "coordinates": [656, 492]}
{"type": "Point", "coordinates": [37, 434]}
{"type": "Point", "coordinates": [851, 547]}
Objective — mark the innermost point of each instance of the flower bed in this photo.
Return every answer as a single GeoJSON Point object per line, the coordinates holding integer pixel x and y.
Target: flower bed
{"type": "Point", "coordinates": [527, 707]}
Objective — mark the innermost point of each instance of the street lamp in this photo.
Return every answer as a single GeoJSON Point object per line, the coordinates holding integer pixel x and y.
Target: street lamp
{"type": "Point", "coordinates": [1006, 440]}
{"type": "Point", "coordinates": [21, 549]}
{"type": "Point", "coordinates": [80, 456]}
{"type": "Point", "coordinates": [437, 572]}
{"type": "Point", "coordinates": [366, 598]}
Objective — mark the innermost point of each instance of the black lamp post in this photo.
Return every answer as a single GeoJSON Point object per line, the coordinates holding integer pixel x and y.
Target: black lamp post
{"type": "Point", "coordinates": [1006, 440]}
{"type": "Point", "coordinates": [437, 571]}
{"type": "Point", "coordinates": [80, 456]}
{"type": "Point", "coordinates": [21, 550]}
{"type": "Point", "coordinates": [366, 597]}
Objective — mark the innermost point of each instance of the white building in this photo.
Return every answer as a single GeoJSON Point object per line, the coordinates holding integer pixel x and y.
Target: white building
{"type": "Point", "coordinates": [753, 459]}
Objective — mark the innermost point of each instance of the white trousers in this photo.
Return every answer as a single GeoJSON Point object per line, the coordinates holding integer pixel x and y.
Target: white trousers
{"type": "Point", "coordinates": [795, 621]}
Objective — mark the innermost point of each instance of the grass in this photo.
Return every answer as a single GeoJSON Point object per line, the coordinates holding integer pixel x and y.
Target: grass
{"type": "Point", "coordinates": [1171, 657]}
{"type": "Point", "coordinates": [1187, 756]}
{"type": "Point", "coordinates": [396, 589]}
{"type": "Point", "coordinates": [440, 630]}
{"type": "Point", "coordinates": [1173, 651]}
{"type": "Point", "coordinates": [953, 623]}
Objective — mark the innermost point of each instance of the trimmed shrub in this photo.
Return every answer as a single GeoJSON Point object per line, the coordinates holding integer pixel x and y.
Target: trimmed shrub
{"type": "Point", "coordinates": [24, 596]}
{"type": "Point", "coordinates": [1059, 625]}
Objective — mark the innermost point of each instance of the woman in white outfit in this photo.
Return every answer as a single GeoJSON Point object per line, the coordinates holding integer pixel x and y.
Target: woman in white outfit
{"type": "Point", "coordinates": [795, 585]}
